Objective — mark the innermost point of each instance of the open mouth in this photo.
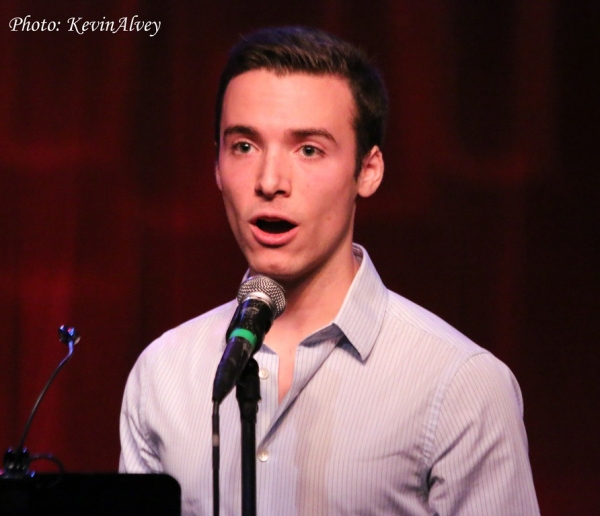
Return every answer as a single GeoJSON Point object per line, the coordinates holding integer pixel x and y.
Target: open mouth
{"type": "Point", "coordinates": [274, 226]}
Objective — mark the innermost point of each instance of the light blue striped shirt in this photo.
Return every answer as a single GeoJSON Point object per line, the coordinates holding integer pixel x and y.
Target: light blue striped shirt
{"type": "Point", "coordinates": [391, 411]}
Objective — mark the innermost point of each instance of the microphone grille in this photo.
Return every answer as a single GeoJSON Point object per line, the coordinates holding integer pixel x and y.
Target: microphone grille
{"type": "Point", "coordinates": [273, 290]}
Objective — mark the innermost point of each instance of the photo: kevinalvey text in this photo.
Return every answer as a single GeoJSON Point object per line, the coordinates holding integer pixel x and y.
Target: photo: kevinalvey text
{"type": "Point", "coordinates": [80, 26]}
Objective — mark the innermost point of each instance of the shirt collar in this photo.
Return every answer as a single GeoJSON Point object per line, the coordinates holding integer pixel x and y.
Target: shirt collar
{"type": "Point", "coordinates": [361, 316]}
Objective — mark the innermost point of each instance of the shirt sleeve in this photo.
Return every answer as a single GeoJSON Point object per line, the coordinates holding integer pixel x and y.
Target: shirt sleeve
{"type": "Point", "coordinates": [479, 461]}
{"type": "Point", "coordinates": [138, 451]}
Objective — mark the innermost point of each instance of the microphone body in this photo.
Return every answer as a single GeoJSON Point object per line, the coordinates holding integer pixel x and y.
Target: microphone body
{"type": "Point", "coordinates": [261, 300]}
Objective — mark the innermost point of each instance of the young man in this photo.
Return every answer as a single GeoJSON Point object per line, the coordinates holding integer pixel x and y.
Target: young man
{"type": "Point", "coordinates": [371, 404]}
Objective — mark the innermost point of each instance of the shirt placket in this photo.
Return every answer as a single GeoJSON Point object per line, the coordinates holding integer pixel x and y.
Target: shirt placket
{"type": "Point", "coordinates": [310, 356]}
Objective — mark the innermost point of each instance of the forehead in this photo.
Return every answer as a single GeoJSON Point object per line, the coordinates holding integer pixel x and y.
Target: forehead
{"type": "Point", "coordinates": [295, 99]}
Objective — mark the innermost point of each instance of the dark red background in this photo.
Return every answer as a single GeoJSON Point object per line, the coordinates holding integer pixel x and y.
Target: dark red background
{"type": "Point", "coordinates": [488, 215]}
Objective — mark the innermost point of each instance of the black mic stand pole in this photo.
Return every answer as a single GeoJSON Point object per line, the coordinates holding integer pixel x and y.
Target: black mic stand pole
{"type": "Point", "coordinates": [248, 395]}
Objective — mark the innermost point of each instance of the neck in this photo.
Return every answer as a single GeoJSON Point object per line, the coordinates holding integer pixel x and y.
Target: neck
{"type": "Point", "coordinates": [312, 302]}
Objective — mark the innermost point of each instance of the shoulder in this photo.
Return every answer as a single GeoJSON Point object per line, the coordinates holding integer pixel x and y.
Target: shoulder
{"type": "Point", "coordinates": [408, 336]}
{"type": "Point", "coordinates": [459, 360]}
{"type": "Point", "coordinates": [428, 326]}
{"type": "Point", "coordinates": [430, 343]}
{"type": "Point", "coordinates": [200, 336]}
{"type": "Point", "coordinates": [179, 360]}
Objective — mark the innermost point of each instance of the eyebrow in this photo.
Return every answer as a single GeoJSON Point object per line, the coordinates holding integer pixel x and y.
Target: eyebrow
{"type": "Point", "coordinates": [306, 133]}
{"type": "Point", "coordinates": [245, 130]}
{"type": "Point", "coordinates": [298, 134]}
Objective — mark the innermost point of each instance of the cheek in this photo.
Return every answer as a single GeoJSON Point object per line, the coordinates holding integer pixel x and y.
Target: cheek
{"type": "Point", "coordinates": [232, 207]}
{"type": "Point", "coordinates": [230, 189]}
{"type": "Point", "coordinates": [237, 206]}
{"type": "Point", "coordinates": [333, 210]}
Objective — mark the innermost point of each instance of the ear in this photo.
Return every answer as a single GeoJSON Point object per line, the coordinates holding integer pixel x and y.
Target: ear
{"type": "Point", "coordinates": [218, 175]}
{"type": "Point", "coordinates": [371, 173]}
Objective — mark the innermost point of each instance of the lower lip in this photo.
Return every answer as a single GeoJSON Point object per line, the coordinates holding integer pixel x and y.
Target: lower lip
{"type": "Point", "coordinates": [273, 239]}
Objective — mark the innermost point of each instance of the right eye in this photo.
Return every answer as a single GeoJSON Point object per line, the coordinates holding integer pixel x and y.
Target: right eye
{"type": "Point", "coordinates": [242, 147]}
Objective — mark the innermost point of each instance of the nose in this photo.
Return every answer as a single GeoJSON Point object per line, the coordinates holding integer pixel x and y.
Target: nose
{"type": "Point", "coordinates": [273, 176]}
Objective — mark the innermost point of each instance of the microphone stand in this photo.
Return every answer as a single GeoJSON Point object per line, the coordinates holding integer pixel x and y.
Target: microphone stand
{"type": "Point", "coordinates": [260, 301]}
{"type": "Point", "coordinates": [248, 396]}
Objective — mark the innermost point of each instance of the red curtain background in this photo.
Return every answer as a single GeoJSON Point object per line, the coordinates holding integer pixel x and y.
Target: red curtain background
{"type": "Point", "coordinates": [488, 215]}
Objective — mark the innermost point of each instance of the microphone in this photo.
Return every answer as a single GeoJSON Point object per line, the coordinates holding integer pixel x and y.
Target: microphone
{"type": "Point", "coordinates": [16, 461]}
{"type": "Point", "coordinates": [261, 300]}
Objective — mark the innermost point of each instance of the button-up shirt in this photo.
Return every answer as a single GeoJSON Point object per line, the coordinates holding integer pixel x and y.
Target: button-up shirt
{"type": "Point", "coordinates": [390, 411]}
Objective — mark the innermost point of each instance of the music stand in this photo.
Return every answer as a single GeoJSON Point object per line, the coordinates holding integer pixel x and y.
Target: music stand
{"type": "Point", "coordinates": [91, 494]}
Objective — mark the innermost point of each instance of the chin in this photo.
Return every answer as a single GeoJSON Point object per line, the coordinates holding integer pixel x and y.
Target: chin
{"type": "Point", "coordinates": [278, 273]}
{"type": "Point", "coordinates": [280, 270]}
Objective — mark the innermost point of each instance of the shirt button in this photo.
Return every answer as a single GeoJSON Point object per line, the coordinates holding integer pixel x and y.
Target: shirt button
{"type": "Point", "coordinates": [263, 455]}
{"type": "Point", "coordinates": [263, 373]}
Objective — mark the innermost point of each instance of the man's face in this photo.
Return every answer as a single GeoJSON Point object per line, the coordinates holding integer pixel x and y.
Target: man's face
{"type": "Point", "coordinates": [286, 170]}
